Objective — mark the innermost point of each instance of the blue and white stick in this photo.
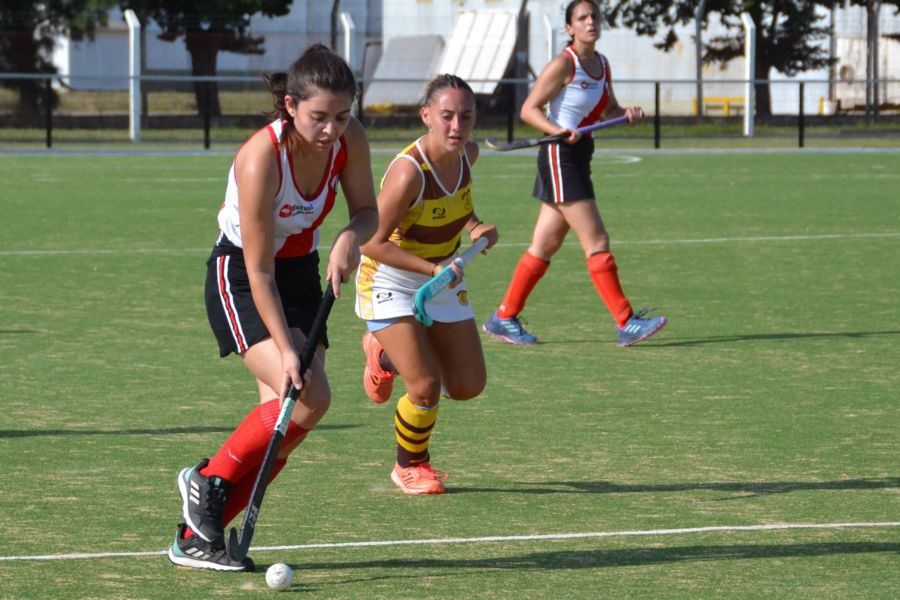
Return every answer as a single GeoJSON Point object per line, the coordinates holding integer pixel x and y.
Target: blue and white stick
{"type": "Point", "coordinates": [439, 282]}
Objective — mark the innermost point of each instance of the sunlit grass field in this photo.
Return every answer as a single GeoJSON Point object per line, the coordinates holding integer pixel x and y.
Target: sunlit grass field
{"type": "Point", "coordinates": [679, 468]}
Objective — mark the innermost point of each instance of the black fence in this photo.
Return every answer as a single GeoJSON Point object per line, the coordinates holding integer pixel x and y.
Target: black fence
{"type": "Point", "coordinates": [205, 111]}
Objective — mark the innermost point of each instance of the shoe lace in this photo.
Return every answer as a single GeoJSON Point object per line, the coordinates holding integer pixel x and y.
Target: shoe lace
{"type": "Point", "coordinates": [426, 471]}
{"type": "Point", "coordinates": [641, 314]}
{"type": "Point", "coordinates": [214, 506]}
{"type": "Point", "coordinates": [518, 324]}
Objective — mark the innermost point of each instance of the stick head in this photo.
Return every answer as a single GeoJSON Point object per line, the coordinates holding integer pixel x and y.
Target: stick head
{"type": "Point", "coordinates": [235, 549]}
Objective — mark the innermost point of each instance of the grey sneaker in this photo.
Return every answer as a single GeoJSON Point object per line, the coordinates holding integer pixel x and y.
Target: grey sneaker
{"type": "Point", "coordinates": [198, 554]}
{"type": "Point", "coordinates": [203, 502]}
{"type": "Point", "coordinates": [509, 330]}
{"type": "Point", "coordinates": [639, 327]}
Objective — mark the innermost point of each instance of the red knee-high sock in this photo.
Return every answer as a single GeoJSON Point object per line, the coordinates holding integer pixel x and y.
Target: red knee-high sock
{"type": "Point", "coordinates": [239, 495]}
{"type": "Point", "coordinates": [527, 274]}
{"type": "Point", "coordinates": [605, 275]}
{"type": "Point", "coordinates": [244, 450]}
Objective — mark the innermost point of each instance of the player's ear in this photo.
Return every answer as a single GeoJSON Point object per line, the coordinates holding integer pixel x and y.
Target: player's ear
{"type": "Point", "coordinates": [426, 118]}
{"type": "Point", "coordinates": [289, 105]}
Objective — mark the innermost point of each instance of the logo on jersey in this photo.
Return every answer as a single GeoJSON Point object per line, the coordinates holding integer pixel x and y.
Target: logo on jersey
{"type": "Point", "coordinates": [467, 200]}
{"type": "Point", "coordinates": [438, 212]}
{"type": "Point", "coordinates": [463, 297]}
{"type": "Point", "coordinates": [382, 297]}
{"type": "Point", "coordinates": [588, 85]}
{"type": "Point", "coordinates": [289, 210]}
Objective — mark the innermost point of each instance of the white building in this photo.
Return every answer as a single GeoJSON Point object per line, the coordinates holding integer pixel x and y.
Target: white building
{"type": "Point", "coordinates": [634, 58]}
{"type": "Point", "coordinates": [102, 63]}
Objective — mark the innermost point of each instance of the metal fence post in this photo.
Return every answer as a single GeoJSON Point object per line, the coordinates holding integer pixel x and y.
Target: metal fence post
{"type": "Point", "coordinates": [510, 118]}
{"type": "Point", "coordinates": [206, 110]}
{"type": "Point", "coordinates": [801, 118]}
{"type": "Point", "coordinates": [48, 112]}
{"type": "Point", "coordinates": [656, 116]}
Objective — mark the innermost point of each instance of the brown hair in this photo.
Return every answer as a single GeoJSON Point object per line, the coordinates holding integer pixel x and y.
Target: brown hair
{"type": "Point", "coordinates": [318, 68]}
{"type": "Point", "coordinates": [444, 80]}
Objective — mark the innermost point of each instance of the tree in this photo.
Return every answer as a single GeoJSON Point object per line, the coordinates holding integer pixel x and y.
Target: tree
{"type": "Point", "coordinates": [788, 32]}
{"type": "Point", "coordinates": [26, 41]}
{"type": "Point", "coordinates": [209, 27]}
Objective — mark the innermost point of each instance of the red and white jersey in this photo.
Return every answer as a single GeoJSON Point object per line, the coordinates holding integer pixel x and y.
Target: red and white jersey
{"type": "Point", "coordinates": [582, 100]}
{"type": "Point", "coordinates": [297, 217]}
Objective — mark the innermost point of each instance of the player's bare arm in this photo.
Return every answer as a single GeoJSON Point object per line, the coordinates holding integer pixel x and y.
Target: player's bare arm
{"type": "Point", "coordinates": [402, 185]}
{"type": "Point", "coordinates": [552, 79]}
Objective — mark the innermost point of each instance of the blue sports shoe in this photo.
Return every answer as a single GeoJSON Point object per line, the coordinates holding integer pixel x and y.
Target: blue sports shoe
{"type": "Point", "coordinates": [509, 330]}
{"type": "Point", "coordinates": [639, 327]}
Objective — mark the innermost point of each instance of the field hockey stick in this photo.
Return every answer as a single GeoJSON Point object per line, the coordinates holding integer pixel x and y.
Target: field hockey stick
{"type": "Point", "coordinates": [239, 545]}
{"type": "Point", "coordinates": [439, 282]}
{"type": "Point", "coordinates": [493, 144]}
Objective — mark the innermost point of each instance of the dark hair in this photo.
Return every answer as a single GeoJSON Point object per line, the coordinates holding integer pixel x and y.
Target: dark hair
{"type": "Point", "coordinates": [444, 80]}
{"type": "Point", "coordinates": [570, 8]}
{"type": "Point", "coordinates": [318, 68]}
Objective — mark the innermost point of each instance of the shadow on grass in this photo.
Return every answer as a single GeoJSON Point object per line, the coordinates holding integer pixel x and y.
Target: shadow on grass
{"type": "Point", "coordinates": [767, 337]}
{"type": "Point", "coordinates": [665, 341]}
{"type": "Point", "coordinates": [12, 433]}
{"type": "Point", "coordinates": [749, 488]}
{"type": "Point", "coordinates": [600, 558]}
{"type": "Point", "coordinates": [16, 331]}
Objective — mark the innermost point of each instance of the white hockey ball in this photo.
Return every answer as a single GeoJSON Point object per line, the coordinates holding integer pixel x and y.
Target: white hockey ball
{"type": "Point", "coordinates": [279, 576]}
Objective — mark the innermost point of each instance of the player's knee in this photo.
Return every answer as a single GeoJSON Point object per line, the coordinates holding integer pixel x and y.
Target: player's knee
{"type": "Point", "coordinates": [599, 243]}
{"type": "Point", "coordinates": [425, 391]}
{"type": "Point", "coordinates": [318, 401]}
{"type": "Point", "coordinates": [466, 389]}
{"type": "Point", "coordinates": [547, 248]}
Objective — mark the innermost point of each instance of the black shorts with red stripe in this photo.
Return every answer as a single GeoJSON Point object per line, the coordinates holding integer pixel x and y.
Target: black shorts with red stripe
{"type": "Point", "coordinates": [229, 304]}
{"type": "Point", "coordinates": [564, 171]}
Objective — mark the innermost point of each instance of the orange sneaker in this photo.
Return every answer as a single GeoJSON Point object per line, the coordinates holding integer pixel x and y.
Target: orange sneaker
{"type": "Point", "coordinates": [378, 383]}
{"type": "Point", "coordinates": [419, 479]}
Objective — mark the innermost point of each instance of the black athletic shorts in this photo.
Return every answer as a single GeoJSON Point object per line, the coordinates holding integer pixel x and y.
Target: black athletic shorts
{"type": "Point", "coordinates": [564, 171]}
{"type": "Point", "coordinates": [229, 304]}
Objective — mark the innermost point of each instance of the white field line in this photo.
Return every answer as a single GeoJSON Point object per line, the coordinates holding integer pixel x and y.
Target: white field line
{"type": "Point", "coordinates": [490, 539]}
{"type": "Point", "coordinates": [674, 242]}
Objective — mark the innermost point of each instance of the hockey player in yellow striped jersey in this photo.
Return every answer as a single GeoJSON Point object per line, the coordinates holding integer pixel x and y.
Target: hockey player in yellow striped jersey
{"type": "Point", "coordinates": [424, 207]}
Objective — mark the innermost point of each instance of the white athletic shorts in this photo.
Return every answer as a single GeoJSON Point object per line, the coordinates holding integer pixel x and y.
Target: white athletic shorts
{"type": "Point", "coordinates": [384, 292]}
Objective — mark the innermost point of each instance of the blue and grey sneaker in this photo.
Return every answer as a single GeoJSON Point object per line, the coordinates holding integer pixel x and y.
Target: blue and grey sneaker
{"type": "Point", "coordinates": [199, 554]}
{"type": "Point", "coordinates": [203, 502]}
{"type": "Point", "coordinates": [639, 327]}
{"type": "Point", "coordinates": [509, 330]}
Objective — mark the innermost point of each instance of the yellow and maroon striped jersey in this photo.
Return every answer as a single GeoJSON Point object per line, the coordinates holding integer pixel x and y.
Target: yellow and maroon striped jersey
{"type": "Point", "coordinates": [432, 227]}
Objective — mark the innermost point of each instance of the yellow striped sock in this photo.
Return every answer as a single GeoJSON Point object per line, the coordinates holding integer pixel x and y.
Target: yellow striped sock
{"type": "Point", "coordinates": [412, 426]}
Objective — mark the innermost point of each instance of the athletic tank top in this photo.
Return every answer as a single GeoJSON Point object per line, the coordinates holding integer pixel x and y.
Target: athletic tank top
{"type": "Point", "coordinates": [432, 226]}
{"type": "Point", "coordinates": [297, 217]}
{"type": "Point", "coordinates": [582, 100]}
